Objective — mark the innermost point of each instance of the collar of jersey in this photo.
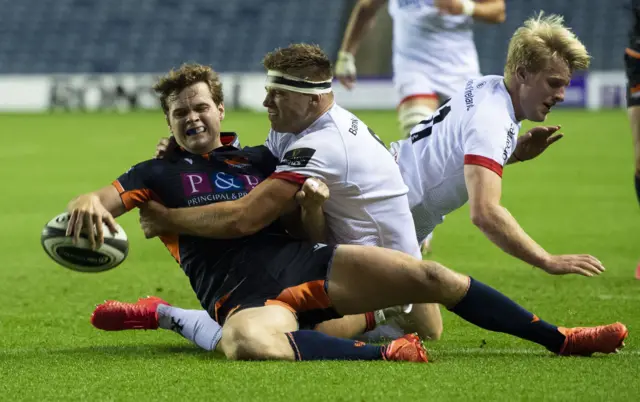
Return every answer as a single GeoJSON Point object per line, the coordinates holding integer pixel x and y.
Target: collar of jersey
{"type": "Point", "coordinates": [319, 120]}
{"type": "Point", "coordinates": [227, 138]}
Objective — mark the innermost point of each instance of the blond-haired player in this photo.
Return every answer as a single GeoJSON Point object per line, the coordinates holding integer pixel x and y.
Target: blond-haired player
{"type": "Point", "coordinates": [458, 155]}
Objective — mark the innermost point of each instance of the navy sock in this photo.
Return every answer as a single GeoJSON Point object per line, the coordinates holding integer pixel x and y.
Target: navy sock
{"type": "Point", "coordinates": [314, 345]}
{"type": "Point", "coordinates": [490, 309]}
{"type": "Point", "coordinates": [638, 187]}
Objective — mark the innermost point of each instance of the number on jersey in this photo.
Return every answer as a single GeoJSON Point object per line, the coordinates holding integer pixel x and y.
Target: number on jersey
{"type": "Point", "coordinates": [436, 118]}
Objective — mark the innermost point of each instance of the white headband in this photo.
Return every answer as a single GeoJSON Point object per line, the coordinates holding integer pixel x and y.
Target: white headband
{"type": "Point", "coordinates": [276, 79]}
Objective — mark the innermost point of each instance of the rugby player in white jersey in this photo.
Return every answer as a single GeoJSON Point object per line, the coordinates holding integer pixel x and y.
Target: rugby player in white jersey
{"type": "Point", "coordinates": [433, 49]}
{"type": "Point", "coordinates": [433, 52]}
{"type": "Point", "coordinates": [314, 137]}
{"type": "Point", "coordinates": [458, 154]}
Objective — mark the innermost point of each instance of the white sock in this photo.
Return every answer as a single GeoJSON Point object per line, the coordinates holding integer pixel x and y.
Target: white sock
{"type": "Point", "coordinates": [195, 325]}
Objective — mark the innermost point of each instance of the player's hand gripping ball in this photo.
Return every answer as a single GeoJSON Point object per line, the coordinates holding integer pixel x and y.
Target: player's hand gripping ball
{"type": "Point", "coordinates": [80, 256]}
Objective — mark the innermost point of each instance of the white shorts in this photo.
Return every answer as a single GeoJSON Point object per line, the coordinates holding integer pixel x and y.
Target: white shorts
{"type": "Point", "coordinates": [441, 73]}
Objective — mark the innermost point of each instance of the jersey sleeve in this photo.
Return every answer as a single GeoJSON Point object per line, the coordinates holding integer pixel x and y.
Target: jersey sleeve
{"type": "Point", "coordinates": [488, 141]}
{"type": "Point", "coordinates": [271, 144]}
{"type": "Point", "coordinates": [134, 185]}
{"type": "Point", "coordinates": [263, 159]}
{"type": "Point", "coordinates": [312, 156]}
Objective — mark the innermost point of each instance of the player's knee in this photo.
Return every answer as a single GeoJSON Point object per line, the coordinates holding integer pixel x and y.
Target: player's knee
{"type": "Point", "coordinates": [252, 342]}
{"type": "Point", "coordinates": [242, 342]}
{"type": "Point", "coordinates": [443, 283]}
{"type": "Point", "coordinates": [410, 116]}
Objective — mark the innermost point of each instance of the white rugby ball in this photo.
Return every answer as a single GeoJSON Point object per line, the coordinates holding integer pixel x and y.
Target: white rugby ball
{"type": "Point", "coordinates": [81, 257]}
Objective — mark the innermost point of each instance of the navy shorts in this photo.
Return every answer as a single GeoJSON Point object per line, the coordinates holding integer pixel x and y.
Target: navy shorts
{"type": "Point", "coordinates": [293, 276]}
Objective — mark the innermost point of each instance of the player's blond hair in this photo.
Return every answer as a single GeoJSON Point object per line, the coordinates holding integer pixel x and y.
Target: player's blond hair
{"type": "Point", "coordinates": [542, 39]}
{"type": "Point", "coordinates": [170, 85]}
{"type": "Point", "coordinates": [300, 60]}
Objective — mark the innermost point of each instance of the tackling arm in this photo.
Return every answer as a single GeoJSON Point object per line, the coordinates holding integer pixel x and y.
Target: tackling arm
{"type": "Point", "coordinates": [485, 189]}
{"type": "Point", "coordinates": [360, 21]}
{"type": "Point", "coordinates": [490, 11]}
{"type": "Point", "coordinates": [232, 219]}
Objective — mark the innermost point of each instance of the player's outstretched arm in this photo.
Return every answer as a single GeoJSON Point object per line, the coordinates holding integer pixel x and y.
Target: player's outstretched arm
{"type": "Point", "coordinates": [534, 142]}
{"type": "Point", "coordinates": [223, 220]}
{"type": "Point", "coordinates": [490, 11]}
{"type": "Point", "coordinates": [92, 210]}
{"type": "Point", "coordinates": [361, 20]}
{"type": "Point", "coordinates": [485, 188]}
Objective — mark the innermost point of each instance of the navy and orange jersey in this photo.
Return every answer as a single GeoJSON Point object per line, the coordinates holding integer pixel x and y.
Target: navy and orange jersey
{"type": "Point", "coordinates": [186, 180]}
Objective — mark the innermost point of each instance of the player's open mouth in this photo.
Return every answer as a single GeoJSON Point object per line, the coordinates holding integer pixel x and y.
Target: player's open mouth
{"type": "Point", "coordinates": [196, 130]}
{"type": "Point", "coordinates": [548, 106]}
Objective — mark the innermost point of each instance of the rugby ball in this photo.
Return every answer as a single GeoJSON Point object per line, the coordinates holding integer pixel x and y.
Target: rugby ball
{"type": "Point", "coordinates": [80, 257]}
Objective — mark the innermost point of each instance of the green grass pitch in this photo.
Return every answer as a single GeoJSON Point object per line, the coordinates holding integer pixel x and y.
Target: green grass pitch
{"type": "Point", "coordinates": [577, 198]}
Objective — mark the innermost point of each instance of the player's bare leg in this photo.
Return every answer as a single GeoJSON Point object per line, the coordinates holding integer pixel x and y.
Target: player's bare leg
{"type": "Point", "coordinates": [258, 334]}
{"type": "Point", "coordinates": [394, 278]}
{"type": "Point", "coordinates": [271, 333]}
{"type": "Point", "coordinates": [415, 108]}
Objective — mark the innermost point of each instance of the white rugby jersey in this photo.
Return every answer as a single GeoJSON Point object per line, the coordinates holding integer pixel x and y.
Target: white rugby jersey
{"type": "Point", "coordinates": [476, 126]}
{"type": "Point", "coordinates": [418, 26]}
{"type": "Point", "coordinates": [368, 203]}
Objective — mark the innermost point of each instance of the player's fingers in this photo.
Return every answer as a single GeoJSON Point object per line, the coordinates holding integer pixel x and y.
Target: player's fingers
{"type": "Point", "coordinates": [77, 227]}
{"type": "Point", "coordinates": [72, 220]}
{"type": "Point", "coordinates": [593, 261]}
{"type": "Point", "coordinates": [97, 220]}
{"type": "Point", "coordinates": [300, 195]}
{"type": "Point", "coordinates": [111, 223]}
{"type": "Point", "coordinates": [89, 228]}
{"type": "Point", "coordinates": [581, 271]}
{"type": "Point", "coordinates": [554, 138]}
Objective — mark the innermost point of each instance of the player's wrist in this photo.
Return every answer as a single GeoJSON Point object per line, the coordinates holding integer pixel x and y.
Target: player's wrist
{"type": "Point", "coordinates": [468, 7]}
{"type": "Point", "coordinates": [346, 56]}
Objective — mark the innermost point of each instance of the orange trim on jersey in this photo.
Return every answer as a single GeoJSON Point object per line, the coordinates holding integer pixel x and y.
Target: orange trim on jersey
{"type": "Point", "coordinates": [484, 162]}
{"type": "Point", "coordinates": [632, 53]}
{"type": "Point", "coordinates": [219, 304]}
{"type": "Point", "coordinates": [289, 176]}
{"type": "Point", "coordinates": [634, 89]}
{"type": "Point", "coordinates": [418, 96]}
{"type": "Point", "coordinates": [135, 198]}
{"type": "Point", "coordinates": [307, 296]}
{"type": "Point", "coordinates": [272, 302]}
{"type": "Point", "coordinates": [171, 243]}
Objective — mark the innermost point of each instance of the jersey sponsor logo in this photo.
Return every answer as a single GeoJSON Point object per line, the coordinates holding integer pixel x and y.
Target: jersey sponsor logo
{"type": "Point", "coordinates": [511, 134]}
{"type": "Point", "coordinates": [201, 188]}
{"type": "Point", "coordinates": [299, 157]}
{"type": "Point", "coordinates": [414, 3]}
{"type": "Point", "coordinates": [225, 182]}
{"type": "Point", "coordinates": [354, 126]}
{"type": "Point", "coordinates": [189, 160]}
{"type": "Point", "coordinates": [195, 183]}
{"type": "Point", "coordinates": [468, 95]}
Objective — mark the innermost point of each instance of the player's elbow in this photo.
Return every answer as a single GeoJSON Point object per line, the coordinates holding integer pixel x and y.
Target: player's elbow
{"type": "Point", "coordinates": [481, 216]}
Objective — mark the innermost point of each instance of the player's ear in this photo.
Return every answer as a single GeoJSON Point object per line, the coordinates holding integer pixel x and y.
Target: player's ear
{"type": "Point", "coordinates": [521, 74]}
{"type": "Point", "coordinates": [221, 110]}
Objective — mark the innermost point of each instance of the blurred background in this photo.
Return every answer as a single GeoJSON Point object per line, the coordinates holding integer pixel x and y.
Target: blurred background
{"type": "Point", "coordinates": [88, 54]}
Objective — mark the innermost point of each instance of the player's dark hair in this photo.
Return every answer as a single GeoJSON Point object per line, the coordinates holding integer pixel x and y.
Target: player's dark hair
{"type": "Point", "coordinates": [300, 60]}
{"type": "Point", "coordinates": [170, 85]}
